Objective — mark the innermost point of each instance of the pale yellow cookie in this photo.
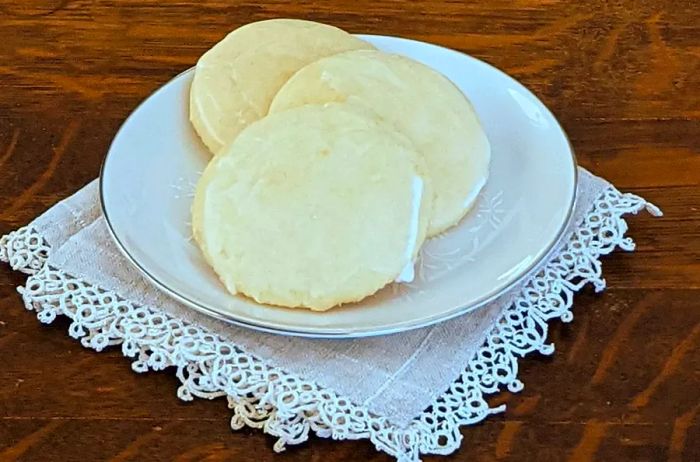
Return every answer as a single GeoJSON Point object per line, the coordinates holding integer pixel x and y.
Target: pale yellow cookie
{"type": "Point", "coordinates": [235, 80]}
{"type": "Point", "coordinates": [421, 103]}
{"type": "Point", "coordinates": [313, 207]}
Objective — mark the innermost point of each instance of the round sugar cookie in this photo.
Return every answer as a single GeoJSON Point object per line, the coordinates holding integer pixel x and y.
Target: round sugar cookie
{"type": "Point", "coordinates": [313, 207]}
{"type": "Point", "coordinates": [235, 80]}
{"type": "Point", "coordinates": [421, 103]}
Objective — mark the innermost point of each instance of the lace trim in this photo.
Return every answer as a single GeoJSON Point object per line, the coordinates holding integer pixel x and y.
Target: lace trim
{"type": "Point", "coordinates": [25, 250]}
{"type": "Point", "coordinates": [288, 407]}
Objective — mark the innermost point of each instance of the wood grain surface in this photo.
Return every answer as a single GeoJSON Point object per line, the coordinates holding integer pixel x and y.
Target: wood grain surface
{"type": "Point", "coordinates": [622, 76]}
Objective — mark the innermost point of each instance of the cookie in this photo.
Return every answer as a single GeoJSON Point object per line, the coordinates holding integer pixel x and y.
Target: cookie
{"type": "Point", "coordinates": [421, 103]}
{"type": "Point", "coordinates": [313, 207]}
{"type": "Point", "coordinates": [235, 80]}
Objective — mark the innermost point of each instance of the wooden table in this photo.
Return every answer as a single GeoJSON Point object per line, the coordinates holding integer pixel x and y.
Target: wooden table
{"type": "Point", "coordinates": [624, 79]}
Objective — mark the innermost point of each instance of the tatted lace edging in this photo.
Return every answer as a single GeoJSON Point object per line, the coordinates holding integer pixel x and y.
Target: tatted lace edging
{"type": "Point", "coordinates": [288, 407]}
{"type": "Point", "coordinates": [25, 250]}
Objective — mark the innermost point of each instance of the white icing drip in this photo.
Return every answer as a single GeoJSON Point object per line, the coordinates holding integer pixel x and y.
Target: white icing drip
{"type": "Point", "coordinates": [214, 243]}
{"type": "Point", "coordinates": [203, 119]}
{"type": "Point", "coordinates": [230, 286]}
{"type": "Point", "coordinates": [469, 200]}
{"type": "Point", "coordinates": [407, 274]}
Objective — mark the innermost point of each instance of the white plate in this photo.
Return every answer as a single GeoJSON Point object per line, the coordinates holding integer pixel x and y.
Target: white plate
{"type": "Point", "coordinates": [153, 164]}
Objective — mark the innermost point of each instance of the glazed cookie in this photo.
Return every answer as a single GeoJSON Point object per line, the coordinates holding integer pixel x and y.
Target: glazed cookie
{"type": "Point", "coordinates": [419, 102]}
{"type": "Point", "coordinates": [313, 207]}
{"type": "Point", "coordinates": [235, 80]}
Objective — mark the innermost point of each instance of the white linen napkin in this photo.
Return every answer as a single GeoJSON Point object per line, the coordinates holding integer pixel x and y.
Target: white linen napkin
{"type": "Point", "coordinates": [407, 392]}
